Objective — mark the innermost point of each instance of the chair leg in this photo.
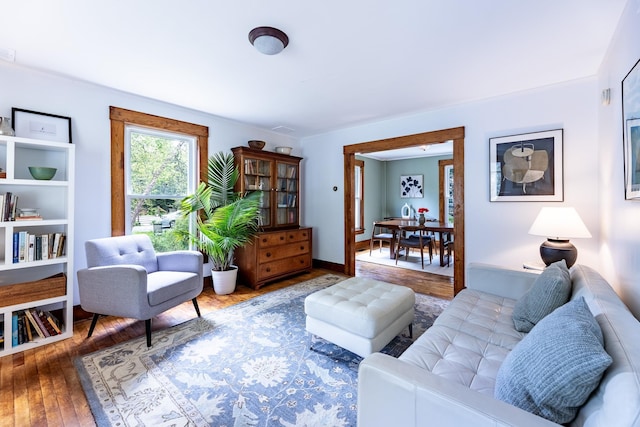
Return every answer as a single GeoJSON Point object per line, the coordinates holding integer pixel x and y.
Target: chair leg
{"type": "Point", "coordinates": [147, 327]}
{"type": "Point", "coordinates": [93, 324]}
{"type": "Point", "coordinates": [195, 305]}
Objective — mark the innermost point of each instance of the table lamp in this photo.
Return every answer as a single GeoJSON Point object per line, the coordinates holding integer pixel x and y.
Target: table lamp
{"type": "Point", "coordinates": [558, 225]}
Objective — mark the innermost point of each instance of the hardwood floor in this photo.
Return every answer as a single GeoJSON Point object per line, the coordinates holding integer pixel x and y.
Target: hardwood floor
{"type": "Point", "coordinates": [40, 387]}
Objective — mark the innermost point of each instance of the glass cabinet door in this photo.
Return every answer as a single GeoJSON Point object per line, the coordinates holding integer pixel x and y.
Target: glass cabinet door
{"type": "Point", "coordinates": [287, 194]}
{"type": "Point", "coordinates": [257, 176]}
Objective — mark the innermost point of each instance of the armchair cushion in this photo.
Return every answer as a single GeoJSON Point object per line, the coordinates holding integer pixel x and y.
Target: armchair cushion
{"type": "Point", "coordinates": [550, 290]}
{"type": "Point", "coordinates": [132, 249]}
{"type": "Point", "coordinates": [163, 286]}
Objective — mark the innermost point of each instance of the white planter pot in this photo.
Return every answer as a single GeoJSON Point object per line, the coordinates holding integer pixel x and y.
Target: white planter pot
{"type": "Point", "coordinates": [224, 282]}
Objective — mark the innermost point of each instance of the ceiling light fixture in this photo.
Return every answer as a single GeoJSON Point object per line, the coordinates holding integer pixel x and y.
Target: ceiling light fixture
{"type": "Point", "coordinates": [268, 40]}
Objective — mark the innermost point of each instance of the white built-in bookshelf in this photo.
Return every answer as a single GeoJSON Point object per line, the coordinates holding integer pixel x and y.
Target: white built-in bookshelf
{"type": "Point", "coordinates": [36, 249]}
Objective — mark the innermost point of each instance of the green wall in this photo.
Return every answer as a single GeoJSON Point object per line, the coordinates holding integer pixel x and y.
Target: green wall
{"type": "Point", "coordinates": [382, 188]}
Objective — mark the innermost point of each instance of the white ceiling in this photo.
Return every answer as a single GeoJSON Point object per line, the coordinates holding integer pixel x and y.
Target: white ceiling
{"type": "Point", "coordinates": [347, 62]}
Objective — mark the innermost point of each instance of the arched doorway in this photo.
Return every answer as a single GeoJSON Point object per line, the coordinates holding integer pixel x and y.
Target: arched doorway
{"type": "Point", "coordinates": [435, 137]}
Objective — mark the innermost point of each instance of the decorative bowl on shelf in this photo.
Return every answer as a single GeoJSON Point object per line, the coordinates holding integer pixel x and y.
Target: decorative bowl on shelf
{"type": "Point", "coordinates": [254, 143]}
{"type": "Point", "coordinates": [41, 172]}
{"type": "Point", "coordinates": [284, 150]}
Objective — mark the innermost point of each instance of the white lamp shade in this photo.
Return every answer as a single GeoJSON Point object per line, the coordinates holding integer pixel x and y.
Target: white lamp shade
{"type": "Point", "coordinates": [559, 223]}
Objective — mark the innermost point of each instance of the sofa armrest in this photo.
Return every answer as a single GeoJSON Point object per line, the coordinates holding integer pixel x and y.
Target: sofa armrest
{"type": "Point", "coordinates": [393, 392]}
{"type": "Point", "coordinates": [119, 290]}
{"type": "Point", "coordinates": [501, 281]}
{"type": "Point", "coordinates": [190, 261]}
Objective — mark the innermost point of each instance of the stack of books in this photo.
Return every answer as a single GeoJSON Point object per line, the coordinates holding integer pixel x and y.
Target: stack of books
{"type": "Point", "coordinates": [32, 323]}
{"type": "Point", "coordinates": [31, 247]}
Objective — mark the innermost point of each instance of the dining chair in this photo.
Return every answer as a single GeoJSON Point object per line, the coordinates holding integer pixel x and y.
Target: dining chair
{"type": "Point", "coordinates": [416, 239]}
{"type": "Point", "coordinates": [379, 234]}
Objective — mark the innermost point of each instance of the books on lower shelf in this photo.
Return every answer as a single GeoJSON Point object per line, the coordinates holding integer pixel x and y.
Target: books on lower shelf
{"type": "Point", "coordinates": [36, 247]}
{"type": "Point", "coordinates": [32, 323]}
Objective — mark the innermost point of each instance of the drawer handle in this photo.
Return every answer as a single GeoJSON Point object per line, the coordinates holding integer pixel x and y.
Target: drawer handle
{"type": "Point", "coordinates": [268, 269]}
{"type": "Point", "coordinates": [268, 254]}
{"type": "Point", "coordinates": [281, 237]}
{"type": "Point", "coordinates": [302, 247]}
{"type": "Point", "coordinates": [301, 261]}
{"type": "Point", "coordinates": [264, 240]}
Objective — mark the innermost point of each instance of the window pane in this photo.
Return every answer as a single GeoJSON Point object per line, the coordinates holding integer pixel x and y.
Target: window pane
{"type": "Point", "coordinates": [159, 173]}
{"type": "Point", "coordinates": [167, 228]}
{"type": "Point", "coordinates": [159, 165]}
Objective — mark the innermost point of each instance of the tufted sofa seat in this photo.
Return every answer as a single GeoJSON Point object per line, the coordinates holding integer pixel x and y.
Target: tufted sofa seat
{"type": "Point", "coordinates": [448, 375]}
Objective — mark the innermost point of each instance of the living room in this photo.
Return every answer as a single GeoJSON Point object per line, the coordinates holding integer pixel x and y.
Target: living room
{"type": "Point", "coordinates": [495, 233]}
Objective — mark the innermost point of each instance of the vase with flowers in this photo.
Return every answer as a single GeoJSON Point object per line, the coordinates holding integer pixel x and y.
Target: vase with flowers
{"type": "Point", "coordinates": [421, 212]}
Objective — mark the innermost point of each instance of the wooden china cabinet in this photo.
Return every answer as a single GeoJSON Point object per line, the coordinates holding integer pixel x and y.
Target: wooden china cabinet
{"type": "Point", "coordinates": [282, 247]}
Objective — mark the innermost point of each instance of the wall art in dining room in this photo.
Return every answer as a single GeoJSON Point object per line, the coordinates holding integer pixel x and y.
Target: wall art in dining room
{"type": "Point", "coordinates": [411, 186]}
{"type": "Point", "coordinates": [526, 167]}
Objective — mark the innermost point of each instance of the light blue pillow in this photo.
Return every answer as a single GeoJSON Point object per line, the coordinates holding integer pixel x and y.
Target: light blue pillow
{"type": "Point", "coordinates": [550, 290]}
{"type": "Point", "coordinates": [554, 369]}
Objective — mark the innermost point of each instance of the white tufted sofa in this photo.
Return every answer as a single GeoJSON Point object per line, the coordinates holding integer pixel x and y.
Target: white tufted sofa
{"type": "Point", "coordinates": [447, 377]}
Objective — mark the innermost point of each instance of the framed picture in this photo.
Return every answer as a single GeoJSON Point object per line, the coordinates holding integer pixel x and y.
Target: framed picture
{"type": "Point", "coordinates": [32, 124]}
{"type": "Point", "coordinates": [526, 167]}
{"type": "Point", "coordinates": [631, 130]}
{"type": "Point", "coordinates": [411, 186]}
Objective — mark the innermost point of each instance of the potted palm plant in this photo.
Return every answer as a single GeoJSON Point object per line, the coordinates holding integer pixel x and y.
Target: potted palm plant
{"type": "Point", "coordinates": [226, 219]}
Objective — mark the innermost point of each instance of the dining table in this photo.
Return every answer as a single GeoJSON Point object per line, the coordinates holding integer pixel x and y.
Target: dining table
{"type": "Point", "coordinates": [396, 225]}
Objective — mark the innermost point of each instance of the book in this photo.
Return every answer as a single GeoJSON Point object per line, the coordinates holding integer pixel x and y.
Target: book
{"type": "Point", "coordinates": [34, 323]}
{"type": "Point", "coordinates": [60, 251]}
{"type": "Point", "coordinates": [31, 248]}
{"type": "Point", "coordinates": [45, 246]}
{"type": "Point", "coordinates": [22, 246]}
{"type": "Point", "coordinates": [41, 325]}
{"type": "Point", "coordinates": [28, 218]}
{"type": "Point", "coordinates": [16, 247]}
{"type": "Point", "coordinates": [53, 321]}
{"type": "Point", "coordinates": [37, 249]}
{"type": "Point", "coordinates": [27, 328]}
{"type": "Point", "coordinates": [14, 329]}
{"type": "Point", "coordinates": [45, 323]}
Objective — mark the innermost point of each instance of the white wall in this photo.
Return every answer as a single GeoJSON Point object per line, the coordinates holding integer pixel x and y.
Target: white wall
{"type": "Point", "coordinates": [88, 107]}
{"type": "Point", "coordinates": [495, 232]}
{"type": "Point", "coordinates": [620, 218]}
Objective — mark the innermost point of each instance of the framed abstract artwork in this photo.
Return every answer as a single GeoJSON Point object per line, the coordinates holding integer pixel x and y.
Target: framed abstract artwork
{"type": "Point", "coordinates": [411, 186]}
{"type": "Point", "coordinates": [526, 167]}
{"type": "Point", "coordinates": [631, 131]}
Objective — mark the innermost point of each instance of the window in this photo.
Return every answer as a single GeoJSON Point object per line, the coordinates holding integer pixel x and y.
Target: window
{"type": "Point", "coordinates": [155, 161]}
{"type": "Point", "coordinates": [160, 170]}
{"type": "Point", "coordinates": [359, 195]}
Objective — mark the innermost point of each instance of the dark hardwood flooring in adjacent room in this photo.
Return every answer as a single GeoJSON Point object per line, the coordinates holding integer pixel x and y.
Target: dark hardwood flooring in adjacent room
{"type": "Point", "coordinates": [40, 387]}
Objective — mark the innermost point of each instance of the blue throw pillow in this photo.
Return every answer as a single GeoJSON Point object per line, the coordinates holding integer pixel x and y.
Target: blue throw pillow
{"type": "Point", "coordinates": [555, 368]}
{"type": "Point", "coordinates": [550, 290]}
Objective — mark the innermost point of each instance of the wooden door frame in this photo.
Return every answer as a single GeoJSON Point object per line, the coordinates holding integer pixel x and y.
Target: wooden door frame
{"type": "Point", "coordinates": [435, 137]}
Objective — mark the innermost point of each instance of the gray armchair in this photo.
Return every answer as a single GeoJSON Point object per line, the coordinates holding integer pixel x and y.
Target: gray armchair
{"type": "Point", "coordinates": [125, 277]}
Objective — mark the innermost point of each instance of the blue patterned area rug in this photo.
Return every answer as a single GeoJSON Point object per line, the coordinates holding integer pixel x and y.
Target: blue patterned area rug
{"type": "Point", "coordinates": [246, 365]}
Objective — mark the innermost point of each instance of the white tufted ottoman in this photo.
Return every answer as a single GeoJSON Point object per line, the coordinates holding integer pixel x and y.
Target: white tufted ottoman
{"type": "Point", "coordinates": [361, 315]}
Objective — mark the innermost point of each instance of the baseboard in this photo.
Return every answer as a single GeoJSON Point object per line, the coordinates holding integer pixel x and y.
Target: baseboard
{"type": "Point", "coordinates": [338, 268]}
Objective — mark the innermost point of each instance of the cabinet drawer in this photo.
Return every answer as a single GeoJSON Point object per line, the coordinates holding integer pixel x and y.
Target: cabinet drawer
{"type": "Point", "coordinates": [283, 251]}
{"type": "Point", "coordinates": [297, 235]}
{"type": "Point", "coordinates": [284, 266]}
{"type": "Point", "coordinates": [271, 239]}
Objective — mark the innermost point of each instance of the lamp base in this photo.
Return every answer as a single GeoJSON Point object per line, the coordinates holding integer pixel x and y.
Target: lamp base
{"type": "Point", "coordinates": [553, 250]}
